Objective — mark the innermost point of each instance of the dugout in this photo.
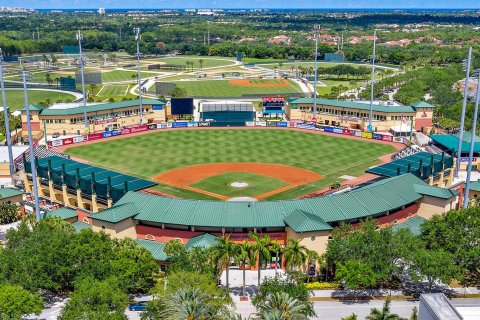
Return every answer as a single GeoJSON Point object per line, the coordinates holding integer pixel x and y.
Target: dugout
{"type": "Point", "coordinates": [227, 113]}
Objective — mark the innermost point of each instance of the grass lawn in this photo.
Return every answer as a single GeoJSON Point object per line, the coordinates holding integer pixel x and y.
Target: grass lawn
{"type": "Point", "coordinates": [257, 184]}
{"type": "Point", "coordinates": [113, 90]}
{"type": "Point", "coordinates": [208, 62]}
{"type": "Point", "coordinates": [151, 154]}
{"type": "Point", "coordinates": [15, 99]}
{"type": "Point", "coordinates": [222, 88]}
{"type": "Point", "coordinates": [287, 65]}
{"type": "Point", "coordinates": [120, 75]}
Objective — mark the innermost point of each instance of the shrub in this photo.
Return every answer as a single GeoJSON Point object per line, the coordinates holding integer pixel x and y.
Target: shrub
{"type": "Point", "coordinates": [9, 213]}
{"type": "Point", "coordinates": [322, 286]}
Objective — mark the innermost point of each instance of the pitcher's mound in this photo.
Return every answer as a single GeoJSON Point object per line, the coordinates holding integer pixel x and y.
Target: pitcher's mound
{"type": "Point", "coordinates": [239, 184]}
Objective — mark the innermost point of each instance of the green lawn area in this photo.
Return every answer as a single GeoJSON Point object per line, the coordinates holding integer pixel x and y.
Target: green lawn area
{"type": "Point", "coordinates": [113, 90]}
{"type": "Point", "coordinates": [151, 154]}
{"type": "Point", "coordinates": [208, 62]}
{"type": "Point", "coordinates": [121, 75]}
{"type": "Point", "coordinates": [222, 88]}
{"type": "Point", "coordinates": [15, 98]}
{"type": "Point", "coordinates": [288, 65]}
{"type": "Point", "coordinates": [257, 184]}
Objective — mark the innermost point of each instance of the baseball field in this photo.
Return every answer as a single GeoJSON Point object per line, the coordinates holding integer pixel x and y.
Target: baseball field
{"type": "Point", "coordinates": [224, 163]}
{"type": "Point", "coordinates": [15, 98]}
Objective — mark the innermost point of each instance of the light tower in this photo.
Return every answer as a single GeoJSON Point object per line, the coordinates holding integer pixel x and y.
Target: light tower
{"type": "Point", "coordinates": [5, 116]}
{"type": "Point", "coordinates": [370, 127]}
{"type": "Point", "coordinates": [472, 142]}
{"type": "Point", "coordinates": [316, 29]}
{"type": "Point", "coordinates": [33, 168]}
{"type": "Point", "coordinates": [79, 37]}
{"type": "Point", "coordinates": [137, 39]}
{"type": "Point", "coordinates": [466, 65]}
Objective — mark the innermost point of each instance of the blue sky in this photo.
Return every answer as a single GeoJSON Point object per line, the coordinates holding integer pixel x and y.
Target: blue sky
{"type": "Point", "coordinates": [72, 4]}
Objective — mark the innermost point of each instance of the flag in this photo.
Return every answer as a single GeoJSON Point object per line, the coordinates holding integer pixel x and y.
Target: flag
{"type": "Point", "coordinates": [404, 120]}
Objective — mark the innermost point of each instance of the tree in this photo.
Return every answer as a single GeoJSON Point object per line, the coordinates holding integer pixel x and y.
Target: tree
{"type": "Point", "coordinates": [356, 274]}
{"type": "Point", "coordinates": [134, 77]}
{"type": "Point", "coordinates": [93, 86]}
{"type": "Point", "coordinates": [295, 290]}
{"type": "Point", "coordinates": [57, 80]}
{"type": "Point", "coordinates": [353, 316]}
{"type": "Point", "coordinates": [48, 78]}
{"type": "Point", "coordinates": [200, 62]}
{"type": "Point", "coordinates": [53, 59]}
{"type": "Point", "coordinates": [280, 306]}
{"type": "Point", "coordinates": [245, 256]}
{"type": "Point", "coordinates": [433, 265]}
{"type": "Point", "coordinates": [225, 251]}
{"type": "Point", "coordinates": [262, 250]}
{"type": "Point", "coordinates": [16, 302]}
{"type": "Point", "coordinates": [9, 212]}
{"type": "Point", "coordinates": [383, 314]}
{"type": "Point", "coordinates": [276, 247]}
{"type": "Point", "coordinates": [295, 254]}
{"type": "Point", "coordinates": [178, 93]}
{"type": "Point", "coordinates": [93, 299]}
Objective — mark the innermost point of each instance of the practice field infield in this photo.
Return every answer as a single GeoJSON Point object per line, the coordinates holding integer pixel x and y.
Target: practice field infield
{"type": "Point", "coordinates": [237, 88]}
{"type": "Point", "coordinates": [319, 159]}
{"type": "Point", "coordinates": [15, 98]}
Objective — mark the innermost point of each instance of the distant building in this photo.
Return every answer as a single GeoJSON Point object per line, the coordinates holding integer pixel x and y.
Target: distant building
{"type": "Point", "coordinates": [280, 39]}
{"type": "Point", "coordinates": [436, 306]}
{"type": "Point", "coordinates": [101, 11]}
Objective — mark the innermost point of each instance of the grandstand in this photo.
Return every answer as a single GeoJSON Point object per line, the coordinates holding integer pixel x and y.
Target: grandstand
{"type": "Point", "coordinates": [227, 113]}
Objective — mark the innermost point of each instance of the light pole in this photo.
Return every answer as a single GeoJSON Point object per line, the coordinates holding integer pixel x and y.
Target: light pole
{"type": "Point", "coordinates": [370, 128]}
{"type": "Point", "coordinates": [316, 29]}
{"type": "Point", "coordinates": [137, 39]}
{"type": "Point", "coordinates": [79, 37]}
{"type": "Point", "coordinates": [5, 116]}
{"type": "Point", "coordinates": [33, 169]}
{"type": "Point", "coordinates": [472, 144]}
{"type": "Point", "coordinates": [464, 106]}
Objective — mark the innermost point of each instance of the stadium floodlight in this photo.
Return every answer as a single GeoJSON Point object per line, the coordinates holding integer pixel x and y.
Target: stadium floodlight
{"type": "Point", "coordinates": [370, 127]}
{"type": "Point", "coordinates": [79, 37]}
{"type": "Point", "coordinates": [5, 117]}
{"type": "Point", "coordinates": [464, 106]}
{"type": "Point", "coordinates": [137, 39]}
{"type": "Point", "coordinates": [316, 30]}
{"type": "Point", "coordinates": [472, 144]}
{"type": "Point", "coordinates": [33, 168]}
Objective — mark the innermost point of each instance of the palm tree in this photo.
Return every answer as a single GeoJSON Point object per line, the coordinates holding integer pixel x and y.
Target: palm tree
{"type": "Point", "coordinates": [384, 314]}
{"type": "Point", "coordinates": [295, 253]}
{"type": "Point", "coordinates": [276, 247]}
{"type": "Point", "coordinates": [314, 258]}
{"type": "Point", "coordinates": [245, 255]}
{"type": "Point", "coordinates": [225, 250]}
{"type": "Point", "coordinates": [191, 304]}
{"type": "Point", "coordinates": [261, 248]}
{"type": "Point", "coordinates": [134, 77]}
{"type": "Point", "coordinates": [280, 306]}
{"type": "Point", "coordinates": [353, 316]}
{"type": "Point", "coordinates": [200, 62]}
{"type": "Point", "coordinates": [93, 86]}
{"type": "Point", "coordinates": [57, 80]}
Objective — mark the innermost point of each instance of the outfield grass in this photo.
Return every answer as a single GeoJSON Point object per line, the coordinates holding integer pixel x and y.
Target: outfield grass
{"type": "Point", "coordinates": [15, 98]}
{"type": "Point", "coordinates": [121, 75]}
{"type": "Point", "coordinates": [257, 184]}
{"type": "Point", "coordinates": [221, 88]}
{"type": "Point", "coordinates": [113, 90]}
{"type": "Point", "coordinates": [151, 154]}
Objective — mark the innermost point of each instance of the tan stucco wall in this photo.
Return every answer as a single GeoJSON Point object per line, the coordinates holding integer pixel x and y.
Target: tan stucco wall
{"type": "Point", "coordinates": [430, 206]}
{"type": "Point", "coordinates": [120, 230]}
{"type": "Point", "coordinates": [316, 241]}
{"type": "Point", "coordinates": [14, 199]}
{"type": "Point", "coordinates": [4, 169]}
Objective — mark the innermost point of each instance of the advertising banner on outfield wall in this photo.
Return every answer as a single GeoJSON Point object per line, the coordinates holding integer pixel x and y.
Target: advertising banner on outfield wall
{"type": "Point", "coordinates": [358, 133]}
{"type": "Point", "coordinates": [377, 136]}
{"type": "Point", "coordinates": [134, 129]}
{"type": "Point", "coordinates": [152, 126]}
{"type": "Point", "coordinates": [56, 143]}
{"type": "Point", "coordinates": [282, 124]}
{"type": "Point", "coordinates": [206, 124]}
{"type": "Point", "coordinates": [67, 141]}
{"type": "Point", "coordinates": [169, 124]}
{"type": "Point", "coordinates": [179, 124]}
{"type": "Point", "coordinates": [272, 123]}
{"type": "Point", "coordinates": [193, 124]}
{"type": "Point", "coordinates": [249, 124]}
{"type": "Point", "coordinates": [94, 136]}
{"type": "Point", "coordinates": [347, 132]}
{"type": "Point", "coordinates": [328, 129]}
{"type": "Point", "coordinates": [367, 135]}
{"type": "Point", "coordinates": [387, 138]}
{"type": "Point", "coordinates": [161, 125]}
{"type": "Point", "coordinates": [261, 124]}
{"type": "Point", "coordinates": [79, 139]}
{"type": "Point", "coordinates": [338, 130]}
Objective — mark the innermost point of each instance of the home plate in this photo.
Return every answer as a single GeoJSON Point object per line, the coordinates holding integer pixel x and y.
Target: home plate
{"type": "Point", "coordinates": [347, 177]}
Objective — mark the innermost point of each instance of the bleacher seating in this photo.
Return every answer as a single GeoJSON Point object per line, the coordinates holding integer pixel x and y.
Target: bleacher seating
{"type": "Point", "coordinates": [40, 152]}
{"type": "Point", "coordinates": [408, 151]}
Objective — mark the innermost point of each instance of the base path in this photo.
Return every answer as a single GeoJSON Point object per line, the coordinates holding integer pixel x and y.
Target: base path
{"type": "Point", "coordinates": [186, 176]}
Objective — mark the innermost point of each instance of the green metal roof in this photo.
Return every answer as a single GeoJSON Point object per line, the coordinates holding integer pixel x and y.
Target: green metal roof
{"type": "Point", "coordinates": [116, 213]}
{"type": "Point", "coordinates": [436, 192]}
{"type": "Point", "coordinates": [88, 173]}
{"type": "Point", "coordinates": [371, 200]}
{"type": "Point", "coordinates": [64, 213]}
{"type": "Point", "coordinates": [97, 107]}
{"type": "Point", "coordinates": [9, 192]}
{"type": "Point", "coordinates": [301, 221]}
{"type": "Point", "coordinates": [450, 141]}
{"type": "Point", "coordinates": [353, 105]}
{"type": "Point", "coordinates": [413, 224]}
{"type": "Point", "coordinates": [32, 107]}
{"type": "Point", "coordinates": [205, 240]}
{"type": "Point", "coordinates": [156, 248]}
{"type": "Point", "coordinates": [391, 169]}
{"type": "Point", "coordinates": [422, 104]}
{"type": "Point", "coordinates": [79, 226]}
{"type": "Point", "coordinates": [475, 185]}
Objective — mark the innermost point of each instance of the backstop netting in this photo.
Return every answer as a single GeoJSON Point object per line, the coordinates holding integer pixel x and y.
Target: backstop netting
{"type": "Point", "coordinates": [164, 88]}
{"type": "Point", "coordinates": [227, 114]}
{"type": "Point", "coordinates": [90, 77]}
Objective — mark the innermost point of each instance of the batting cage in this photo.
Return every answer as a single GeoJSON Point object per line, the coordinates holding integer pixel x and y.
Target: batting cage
{"type": "Point", "coordinates": [224, 114]}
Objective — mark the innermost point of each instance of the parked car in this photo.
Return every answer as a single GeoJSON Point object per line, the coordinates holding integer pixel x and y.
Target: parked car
{"type": "Point", "coordinates": [138, 306]}
{"type": "Point", "coordinates": [55, 135]}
